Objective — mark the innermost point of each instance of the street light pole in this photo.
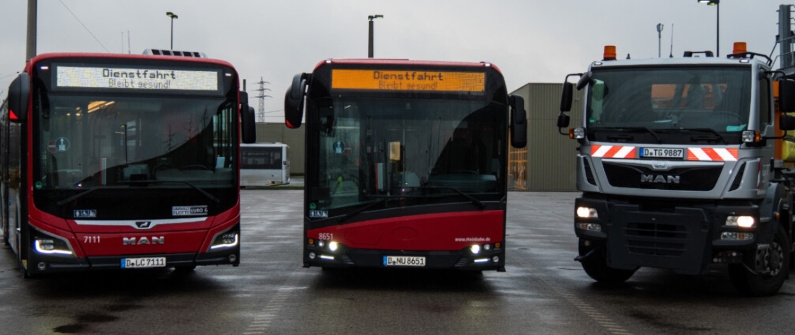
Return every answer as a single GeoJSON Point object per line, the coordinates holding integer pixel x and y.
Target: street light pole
{"type": "Point", "coordinates": [370, 41]}
{"type": "Point", "coordinates": [172, 16]}
{"type": "Point", "coordinates": [30, 51]}
{"type": "Point", "coordinates": [715, 3]}
{"type": "Point", "coordinates": [659, 38]}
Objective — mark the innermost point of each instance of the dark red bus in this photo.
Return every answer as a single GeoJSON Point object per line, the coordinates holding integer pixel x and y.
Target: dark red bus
{"type": "Point", "coordinates": [405, 163]}
{"type": "Point", "coordinates": [122, 161]}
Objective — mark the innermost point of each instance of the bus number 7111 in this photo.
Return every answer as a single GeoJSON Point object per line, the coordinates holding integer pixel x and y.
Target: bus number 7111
{"type": "Point", "coordinates": [91, 239]}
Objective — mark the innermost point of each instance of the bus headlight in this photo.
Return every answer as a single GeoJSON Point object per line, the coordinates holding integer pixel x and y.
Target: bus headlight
{"type": "Point", "coordinates": [475, 249]}
{"type": "Point", "coordinates": [227, 239]}
{"type": "Point", "coordinates": [743, 221]}
{"type": "Point", "coordinates": [51, 245]}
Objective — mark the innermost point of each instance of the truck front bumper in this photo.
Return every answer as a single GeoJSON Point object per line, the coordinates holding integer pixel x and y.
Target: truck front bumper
{"type": "Point", "coordinates": [685, 237]}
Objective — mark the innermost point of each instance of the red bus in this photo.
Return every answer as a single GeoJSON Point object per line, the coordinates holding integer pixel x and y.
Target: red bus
{"type": "Point", "coordinates": [122, 161]}
{"type": "Point", "coordinates": [405, 163]}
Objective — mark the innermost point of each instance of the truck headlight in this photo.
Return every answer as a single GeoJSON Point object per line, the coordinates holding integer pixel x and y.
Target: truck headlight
{"type": "Point", "coordinates": [589, 226]}
{"type": "Point", "coordinates": [587, 213]}
{"type": "Point", "coordinates": [743, 221]}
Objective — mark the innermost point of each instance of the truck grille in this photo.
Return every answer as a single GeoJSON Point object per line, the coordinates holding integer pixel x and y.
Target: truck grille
{"type": "Point", "coordinates": [683, 178]}
{"type": "Point", "coordinates": [659, 235]}
{"type": "Point", "coordinates": [659, 239]}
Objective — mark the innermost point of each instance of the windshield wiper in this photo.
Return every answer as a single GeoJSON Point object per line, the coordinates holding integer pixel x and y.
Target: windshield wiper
{"type": "Point", "coordinates": [203, 192]}
{"type": "Point", "coordinates": [371, 204]}
{"type": "Point", "coordinates": [76, 196]}
{"type": "Point", "coordinates": [360, 209]}
{"type": "Point", "coordinates": [646, 129]}
{"type": "Point", "coordinates": [474, 200]}
{"type": "Point", "coordinates": [707, 130]}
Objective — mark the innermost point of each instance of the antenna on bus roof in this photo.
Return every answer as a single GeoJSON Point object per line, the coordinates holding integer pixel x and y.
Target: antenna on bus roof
{"type": "Point", "coordinates": [672, 42]}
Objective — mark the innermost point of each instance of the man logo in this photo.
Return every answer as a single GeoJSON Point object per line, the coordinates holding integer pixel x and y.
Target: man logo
{"type": "Point", "coordinates": [143, 240]}
{"type": "Point", "coordinates": [143, 224]}
{"type": "Point", "coordinates": [659, 179]}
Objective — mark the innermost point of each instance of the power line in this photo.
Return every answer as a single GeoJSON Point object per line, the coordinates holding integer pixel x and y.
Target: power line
{"type": "Point", "coordinates": [84, 26]}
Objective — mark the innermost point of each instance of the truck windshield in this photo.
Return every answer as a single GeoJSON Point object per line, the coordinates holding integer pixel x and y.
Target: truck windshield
{"type": "Point", "coordinates": [419, 150]}
{"type": "Point", "coordinates": [661, 100]}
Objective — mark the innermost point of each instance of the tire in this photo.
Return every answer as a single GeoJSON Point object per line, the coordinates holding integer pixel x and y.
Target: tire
{"type": "Point", "coordinates": [777, 259]}
{"type": "Point", "coordinates": [595, 265]}
{"type": "Point", "coordinates": [5, 235]}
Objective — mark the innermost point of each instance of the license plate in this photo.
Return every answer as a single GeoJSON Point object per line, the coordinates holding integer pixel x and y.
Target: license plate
{"type": "Point", "coordinates": [143, 262]}
{"type": "Point", "coordinates": [662, 153]}
{"type": "Point", "coordinates": [404, 261]}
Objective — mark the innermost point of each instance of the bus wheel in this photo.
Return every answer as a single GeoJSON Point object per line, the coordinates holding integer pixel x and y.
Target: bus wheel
{"type": "Point", "coordinates": [774, 260]}
{"type": "Point", "coordinates": [595, 265]}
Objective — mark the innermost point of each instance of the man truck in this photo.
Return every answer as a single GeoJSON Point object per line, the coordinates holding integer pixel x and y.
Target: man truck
{"type": "Point", "coordinates": [685, 163]}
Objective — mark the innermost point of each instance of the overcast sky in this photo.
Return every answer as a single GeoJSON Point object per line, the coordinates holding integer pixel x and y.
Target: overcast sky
{"type": "Point", "coordinates": [529, 40]}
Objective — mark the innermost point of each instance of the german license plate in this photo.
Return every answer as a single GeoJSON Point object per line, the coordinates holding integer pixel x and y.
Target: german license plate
{"type": "Point", "coordinates": [662, 153]}
{"type": "Point", "coordinates": [404, 261]}
{"type": "Point", "coordinates": [143, 262]}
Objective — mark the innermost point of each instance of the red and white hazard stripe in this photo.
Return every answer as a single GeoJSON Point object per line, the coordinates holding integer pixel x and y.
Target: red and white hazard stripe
{"type": "Point", "coordinates": [693, 154]}
{"type": "Point", "coordinates": [712, 154]}
{"type": "Point", "coordinates": [612, 151]}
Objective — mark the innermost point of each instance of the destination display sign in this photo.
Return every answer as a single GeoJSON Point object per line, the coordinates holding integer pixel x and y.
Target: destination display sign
{"type": "Point", "coordinates": [408, 80]}
{"type": "Point", "coordinates": [136, 78]}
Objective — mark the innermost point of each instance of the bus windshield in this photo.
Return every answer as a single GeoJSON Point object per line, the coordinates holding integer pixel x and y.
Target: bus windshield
{"type": "Point", "coordinates": [86, 141]}
{"type": "Point", "coordinates": [419, 150]}
{"type": "Point", "coordinates": [660, 101]}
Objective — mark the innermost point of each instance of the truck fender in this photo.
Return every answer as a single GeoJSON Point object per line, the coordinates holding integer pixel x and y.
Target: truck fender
{"type": "Point", "coordinates": [775, 202]}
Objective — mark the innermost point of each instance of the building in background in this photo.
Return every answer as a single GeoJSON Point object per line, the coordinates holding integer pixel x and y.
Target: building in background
{"type": "Point", "coordinates": [548, 164]}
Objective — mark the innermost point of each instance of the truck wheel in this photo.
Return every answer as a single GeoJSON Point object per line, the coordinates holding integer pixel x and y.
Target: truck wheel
{"type": "Point", "coordinates": [776, 260]}
{"type": "Point", "coordinates": [5, 235]}
{"type": "Point", "coordinates": [595, 265]}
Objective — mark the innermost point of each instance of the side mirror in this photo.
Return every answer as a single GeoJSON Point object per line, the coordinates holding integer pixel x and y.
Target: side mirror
{"type": "Point", "coordinates": [566, 96]}
{"type": "Point", "coordinates": [18, 95]}
{"type": "Point", "coordinates": [248, 126]}
{"type": "Point", "coordinates": [786, 96]}
{"type": "Point", "coordinates": [249, 132]}
{"type": "Point", "coordinates": [294, 101]}
{"type": "Point", "coordinates": [563, 121]}
{"type": "Point", "coordinates": [786, 122]}
{"type": "Point", "coordinates": [518, 122]}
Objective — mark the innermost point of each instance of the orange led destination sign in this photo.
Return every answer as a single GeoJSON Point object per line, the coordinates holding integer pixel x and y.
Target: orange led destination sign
{"type": "Point", "coordinates": [408, 80]}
